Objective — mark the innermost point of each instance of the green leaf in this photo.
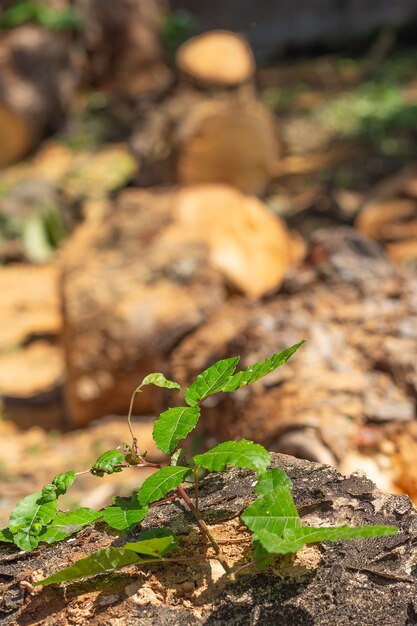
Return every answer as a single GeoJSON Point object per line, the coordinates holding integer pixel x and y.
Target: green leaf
{"type": "Point", "coordinates": [159, 380]}
{"type": "Point", "coordinates": [157, 485]}
{"type": "Point", "coordinates": [294, 539]}
{"type": "Point", "coordinates": [153, 546]}
{"type": "Point", "coordinates": [173, 425]}
{"type": "Point", "coordinates": [270, 480]}
{"type": "Point", "coordinates": [125, 513]}
{"type": "Point", "coordinates": [258, 370]}
{"type": "Point", "coordinates": [104, 560]}
{"type": "Point", "coordinates": [31, 511]}
{"type": "Point", "coordinates": [160, 532]}
{"type": "Point", "coordinates": [66, 524]}
{"type": "Point", "coordinates": [6, 536]}
{"type": "Point", "coordinates": [275, 512]}
{"type": "Point", "coordinates": [178, 458]}
{"type": "Point", "coordinates": [210, 381]}
{"type": "Point", "coordinates": [25, 539]}
{"type": "Point", "coordinates": [60, 485]}
{"type": "Point", "coordinates": [237, 453]}
{"type": "Point", "coordinates": [107, 463]}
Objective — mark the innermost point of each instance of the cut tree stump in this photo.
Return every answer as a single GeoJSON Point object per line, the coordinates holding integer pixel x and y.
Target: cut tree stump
{"type": "Point", "coordinates": [194, 138]}
{"type": "Point", "coordinates": [217, 58]}
{"type": "Point", "coordinates": [126, 307]}
{"type": "Point", "coordinates": [37, 80]}
{"type": "Point", "coordinates": [370, 581]}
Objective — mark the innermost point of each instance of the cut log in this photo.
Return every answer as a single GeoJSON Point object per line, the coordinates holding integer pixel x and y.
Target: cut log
{"type": "Point", "coordinates": [229, 142]}
{"type": "Point", "coordinates": [37, 80]}
{"type": "Point", "coordinates": [195, 139]}
{"type": "Point", "coordinates": [126, 307]}
{"type": "Point", "coordinates": [369, 581]}
{"type": "Point", "coordinates": [217, 58]}
{"type": "Point", "coordinates": [247, 243]}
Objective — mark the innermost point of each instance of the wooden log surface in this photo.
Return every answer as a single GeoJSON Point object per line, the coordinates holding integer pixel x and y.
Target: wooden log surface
{"type": "Point", "coordinates": [362, 582]}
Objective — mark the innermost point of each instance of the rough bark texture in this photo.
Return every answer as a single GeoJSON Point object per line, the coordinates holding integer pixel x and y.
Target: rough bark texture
{"type": "Point", "coordinates": [362, 582]}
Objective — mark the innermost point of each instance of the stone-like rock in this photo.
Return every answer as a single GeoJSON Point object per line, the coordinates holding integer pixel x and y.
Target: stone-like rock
{"type": "Point", "coordinates": [359, 582]}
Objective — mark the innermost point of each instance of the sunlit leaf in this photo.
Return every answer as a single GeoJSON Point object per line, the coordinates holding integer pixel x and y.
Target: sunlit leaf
{"type": "Point", "coordinates": [294, 539]}
{"type": "Point", "coordinates": [104, 560]}
{"type": "Point", "coordinates": [31, 514]}
{"type": "Point", "coordinates": [275, 512]}
{"type": "Point", "coordinates": [270, 480]}
{"type": "Point", "coordinates": [59, 485]}
{"type": "Point", "coordinates": [157, 485]}
{"type": "Point", "coordinates": [125, 513]}
{"type": "Point", "coordinates": [108, 462]}
{"type": "Point", "coordinates": [159, 380]}
{"type": "Point", "coordinates": [6, 536]}
{"type": "Point", "coordinates": [258, 370]}
{"type": "Point", "coordinates": [210, 381]}
{"type": "Point", "coordinates": [242, 453]}
{"type": "Point", "coordinates": [153, 546]}
{"type": "Point", "coordinates": [66, 524]}
{"type": "Point", "coordinates": [173, 425]}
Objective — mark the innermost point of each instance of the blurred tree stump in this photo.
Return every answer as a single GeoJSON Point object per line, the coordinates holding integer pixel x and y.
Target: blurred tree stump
{"type": "Point", "coordinates": [37, 80]}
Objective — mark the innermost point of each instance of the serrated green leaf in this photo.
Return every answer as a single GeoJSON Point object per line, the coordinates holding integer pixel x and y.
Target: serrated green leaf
{"type": "Point", "coordinates": [294, 539]}
{"type": "Point", "coordinates": [275, 512]}
{"type": "Point", "coordinates": [25, 539]}
{"type": "Point", "coordinates": [107, 463]}
{"type": "Point", "coordinates": [153, 546]}
{"type": "Point", "coordinates": [256, 371]}
{"type": "Point", "coordinates": [160, 532]}
{"type": "Point", "coordinates": [159, 380]}
{"type": "Point", "coordinates": [210, 381]}
{"type": "Point", "coordinates": [6, 536]}
{"type": "Point", "coordinates": [173, 425]}
{"type": "Point", "coordinates": [66, 524]}
{"type": "Point", "coordinates": [30, 511]}
{"type": "Point", "coordinates": [104, 560]}
{"type": "Point", "coordinates": [125, 513]}
{"type": "Point", "coordinates": [242, 453]}
{"type": "Point", "coordinates": [274, 544]}
{"type": "Point", "coordinates": [157, 485]}
{"type": "Point", "coordinates": [270, 480]}
{"type": "Point", "coordinates": [59, 485]}
{"type": "Point", "coordinates": [178, 458]}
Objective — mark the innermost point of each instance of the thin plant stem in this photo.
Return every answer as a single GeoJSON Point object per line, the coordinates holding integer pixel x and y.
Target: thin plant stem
{"type": "Point", "coordinates": [217, 549]}
{"type": "Point", "coordinates": [237, 570]}
{"type": "Point", "coordinates": [129, 419]}
{"type": "Point", "coordinates": [195, 472]}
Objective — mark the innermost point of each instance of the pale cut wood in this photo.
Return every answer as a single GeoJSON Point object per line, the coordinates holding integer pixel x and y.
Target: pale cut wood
{"type": "Point", "coordinates": [218, 58]}
{"type": "Point", "coordinates": [246, 242]}
{"type": "Point", "coordinates": [228, 141]}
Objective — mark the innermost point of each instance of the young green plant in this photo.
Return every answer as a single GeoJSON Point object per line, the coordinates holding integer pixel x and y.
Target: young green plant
{"type": "Point", "coordinates": [272, 517]}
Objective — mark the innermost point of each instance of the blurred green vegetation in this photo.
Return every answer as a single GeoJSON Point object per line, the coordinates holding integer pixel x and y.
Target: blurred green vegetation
{"type": "Point", "coordinates": [39, 12]}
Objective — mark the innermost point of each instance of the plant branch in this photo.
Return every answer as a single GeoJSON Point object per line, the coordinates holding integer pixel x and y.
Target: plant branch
{"type": "Point", "coordinates": [205, 529]}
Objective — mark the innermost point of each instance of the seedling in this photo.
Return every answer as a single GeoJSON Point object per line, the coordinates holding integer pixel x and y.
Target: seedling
{"type": "Point", "coordinates": [272, 518]}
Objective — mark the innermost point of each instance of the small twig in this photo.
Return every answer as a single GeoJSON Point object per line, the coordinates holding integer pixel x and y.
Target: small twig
{"type": "Point", "coordinates": [168, 499]}
{"type": "Point", "coordinates": [237, 570]}
{"type": "Point", "coordinates": [195, 472]}
{"type": "Point", "coordinates": [217, 549]}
